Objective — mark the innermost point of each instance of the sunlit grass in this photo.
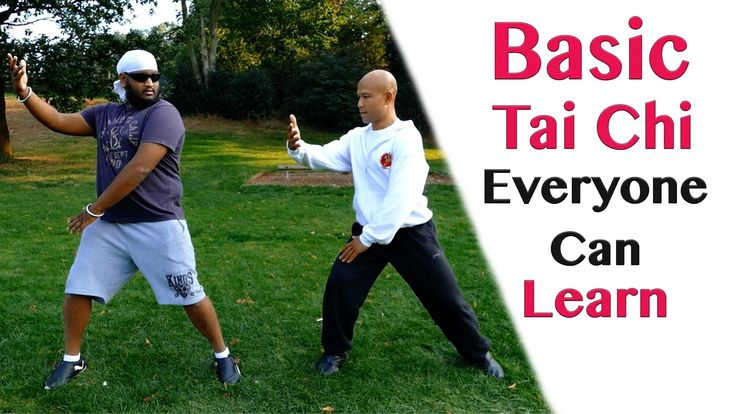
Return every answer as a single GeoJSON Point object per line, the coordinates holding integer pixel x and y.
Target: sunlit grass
{"type": "Point", "coordinates": [263, 254]}
{"type": "Point", "coordinates": [434, 154]}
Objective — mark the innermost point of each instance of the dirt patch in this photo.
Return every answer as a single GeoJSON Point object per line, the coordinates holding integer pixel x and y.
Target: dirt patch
{"type": "Point", "coordinates": [320, 179]}
{"type": "Point", "coordinates": [217, 124]}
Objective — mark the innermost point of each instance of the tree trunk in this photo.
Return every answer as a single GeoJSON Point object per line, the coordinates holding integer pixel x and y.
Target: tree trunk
{"type": "Point", "coordinates": [203, 52]}
{"type": "Point", "coordinates": [6, 149]}
{"type": "Point", "coordinates": [215, 11]}
{"type": "Point", "coordinates": [190, 45]}
{"type": "Point", "coordinates": [208, 40]}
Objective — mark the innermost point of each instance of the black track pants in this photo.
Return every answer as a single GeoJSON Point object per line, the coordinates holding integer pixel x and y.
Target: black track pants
{"type": "Point", "coordinates": [417, 256]}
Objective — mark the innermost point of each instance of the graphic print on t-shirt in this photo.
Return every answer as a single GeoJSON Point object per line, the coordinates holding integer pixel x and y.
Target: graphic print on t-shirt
{"type": "Point", "coordinates": [119, 138]}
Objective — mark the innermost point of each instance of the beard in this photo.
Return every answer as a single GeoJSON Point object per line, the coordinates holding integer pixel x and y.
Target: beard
{"type": "Point", "coordinates": [137, 102]}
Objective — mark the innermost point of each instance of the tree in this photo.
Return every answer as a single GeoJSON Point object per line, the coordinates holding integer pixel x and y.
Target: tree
{"type": "Point", "coordinates": [81, 69]}
{"type": "Point", "coordinates": [279, 33]}
{"type": "Point", "coordinates": [76, 19]}
{"type": "Point", "coordinates": [248, 39]}
{"type": "Point", "coordinates": [286, 37]}
{"type": "Point", "coordinates": [365, 33]}
{"type": "Point", "coordinates": [203, 25]}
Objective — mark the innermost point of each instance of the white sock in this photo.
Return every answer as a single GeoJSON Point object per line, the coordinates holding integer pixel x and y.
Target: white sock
{"type": "Point", "coordinates": [72, 358]}
{"type": "Point", "coordinates": [223, 354]}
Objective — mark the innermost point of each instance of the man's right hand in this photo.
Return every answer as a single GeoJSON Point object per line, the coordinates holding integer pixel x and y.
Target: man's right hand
{"type": "Point", "coordinates": [70, 124]}
{"type": "Point", "coordinates": [19, 76]}
{"type": "Point", "coordinates": [293, 135]}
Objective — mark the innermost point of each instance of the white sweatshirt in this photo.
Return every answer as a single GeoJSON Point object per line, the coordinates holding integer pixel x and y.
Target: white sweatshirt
{"type": "Point", "coordinates": [389, 173]}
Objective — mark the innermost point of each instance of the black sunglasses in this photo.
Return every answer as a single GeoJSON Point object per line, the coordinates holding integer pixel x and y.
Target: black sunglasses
{"type": "Point", "coordinates": [142, 77]}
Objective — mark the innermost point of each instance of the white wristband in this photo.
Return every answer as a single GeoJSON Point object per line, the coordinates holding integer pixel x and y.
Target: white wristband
{"type": "Point", "coordinates": [30, 92]}
{"type": "Point", "coordinates": [89, 212]}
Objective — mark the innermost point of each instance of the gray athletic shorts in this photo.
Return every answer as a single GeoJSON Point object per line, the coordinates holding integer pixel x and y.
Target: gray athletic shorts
{"type": "Point", "coordinates": [110, 254]}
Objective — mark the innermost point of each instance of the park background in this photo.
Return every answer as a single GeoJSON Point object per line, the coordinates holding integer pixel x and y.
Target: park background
{"type": "Point", "coordinates": [234, 70]}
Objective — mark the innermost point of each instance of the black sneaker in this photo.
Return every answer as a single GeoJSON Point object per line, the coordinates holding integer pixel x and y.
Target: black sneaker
{"type": "Point", "coordinates": [330, 364]}
{"type": "Point", "coordinates": [64, 372]}
{"type": "Point", "coordinates": [227, 370]}
{"type": "Point", "coordinates": [491, 367]}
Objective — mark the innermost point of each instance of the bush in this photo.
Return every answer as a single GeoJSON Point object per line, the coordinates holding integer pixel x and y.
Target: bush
{"type": "Point", "coordinates": [183, 91]}
{"type": "Point", "coordinates": [248, 95]}
{"type": "Point", "coordinates": [322, 92]}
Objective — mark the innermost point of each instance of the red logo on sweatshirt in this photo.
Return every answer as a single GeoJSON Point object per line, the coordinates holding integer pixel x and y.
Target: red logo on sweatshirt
{"type": "Point", "coordinates": [386, 160]}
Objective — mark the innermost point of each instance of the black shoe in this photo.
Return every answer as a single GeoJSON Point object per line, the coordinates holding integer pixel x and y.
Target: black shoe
{"type": "Point", "coordinates": [227, 370]}
{"type": "Point", "coordinates": [491, 367]}
{"type": "Point", "coordinates": [330, 364]}
{"type": "Point", "coordinates": [64, 372]}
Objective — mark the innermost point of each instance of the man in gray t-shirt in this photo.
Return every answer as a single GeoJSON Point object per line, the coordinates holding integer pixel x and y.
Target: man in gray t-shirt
{"type": "Point", "coordinates": [120, 130]}
{"type": "Point", "coordinates": [141, 224]}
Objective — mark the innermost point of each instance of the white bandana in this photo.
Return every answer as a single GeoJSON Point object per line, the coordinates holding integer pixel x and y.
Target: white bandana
{"type": "Point", "coordinates": [133, 61]}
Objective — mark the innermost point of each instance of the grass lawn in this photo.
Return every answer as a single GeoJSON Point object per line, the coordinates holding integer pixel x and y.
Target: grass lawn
{"type": "Point", "coordinates": [263, 254]}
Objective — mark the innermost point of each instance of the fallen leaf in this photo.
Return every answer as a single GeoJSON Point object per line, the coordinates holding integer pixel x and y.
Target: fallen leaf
{"type": "Point", "coordinates": [328, 409]}
{"type": "Point", "coordinates": [234, 342]}
{"type": "Point", "coordinates": [245, 301]}
{"type": "Point", "coordinates": [512, 386]}
{"type": "Point", "coordinates": [148, 343]}
{"type": "Point", "coordinates": [150, 397]}
{"type": "Point", "coordinates": [34, 307]}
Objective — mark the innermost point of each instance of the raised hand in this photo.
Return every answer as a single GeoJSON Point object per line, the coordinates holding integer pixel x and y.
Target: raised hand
{"type": "Point", "coordinates": [19, 75]}
{"type": "Point", "coordinates": [292, 134]}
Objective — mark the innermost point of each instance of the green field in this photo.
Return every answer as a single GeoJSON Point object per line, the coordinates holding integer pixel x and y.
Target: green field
{"type": "Point", "coordinates": [263, 255]}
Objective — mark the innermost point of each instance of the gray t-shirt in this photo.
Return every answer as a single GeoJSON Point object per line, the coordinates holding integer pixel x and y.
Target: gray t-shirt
{"type": "Point", "coordinates": [119, 130]}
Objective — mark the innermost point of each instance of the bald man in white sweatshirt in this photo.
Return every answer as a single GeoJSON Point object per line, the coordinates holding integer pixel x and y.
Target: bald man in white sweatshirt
{"type": "Point", "coordinates": [393, 225]}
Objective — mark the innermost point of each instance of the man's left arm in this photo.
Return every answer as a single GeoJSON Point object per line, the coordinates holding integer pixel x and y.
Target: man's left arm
{"type": "Point", "coordinates": [137, 169]}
